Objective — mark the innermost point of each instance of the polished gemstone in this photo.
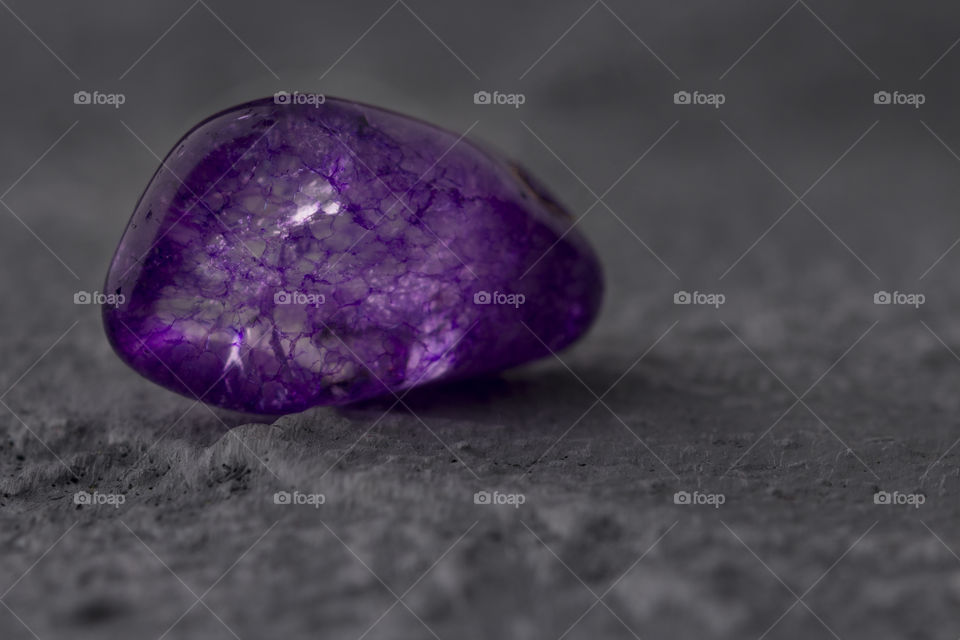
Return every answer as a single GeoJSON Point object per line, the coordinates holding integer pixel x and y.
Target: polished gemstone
{"type": "Point", "coordinates": [291, 255]}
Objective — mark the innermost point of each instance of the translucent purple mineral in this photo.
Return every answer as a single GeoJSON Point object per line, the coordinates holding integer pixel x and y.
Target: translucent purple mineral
{"type": "Point", "coordinates": [291, 255]}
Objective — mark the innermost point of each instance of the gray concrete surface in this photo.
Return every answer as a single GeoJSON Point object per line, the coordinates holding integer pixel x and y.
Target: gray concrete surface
{"type": "Point", "coordinates": [797, 400]}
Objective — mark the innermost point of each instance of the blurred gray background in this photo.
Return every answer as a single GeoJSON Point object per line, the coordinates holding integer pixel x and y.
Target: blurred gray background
{"type": "Point", "coordinates": [797, 401]}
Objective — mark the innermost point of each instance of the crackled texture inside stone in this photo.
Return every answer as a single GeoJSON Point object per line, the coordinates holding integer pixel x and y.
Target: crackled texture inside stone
{"type": "Point", "coordinates": [287, 256]}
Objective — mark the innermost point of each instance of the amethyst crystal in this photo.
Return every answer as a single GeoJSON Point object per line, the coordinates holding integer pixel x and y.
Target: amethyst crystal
{"type": "Point", "coordinates": [292, 255]}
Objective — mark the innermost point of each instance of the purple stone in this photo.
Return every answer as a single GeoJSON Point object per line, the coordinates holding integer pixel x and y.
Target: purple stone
{"type": "Point", "coordinates": [292, 255]}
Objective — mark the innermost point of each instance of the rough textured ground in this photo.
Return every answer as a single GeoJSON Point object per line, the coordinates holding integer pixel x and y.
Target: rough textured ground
{"type": "Point", "coordinates": [712, 406]}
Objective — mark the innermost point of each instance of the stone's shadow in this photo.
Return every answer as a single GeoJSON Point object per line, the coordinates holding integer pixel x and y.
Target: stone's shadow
{"type": "Point", "coordinates": [442, 396]}
{"type": "Point", "coordinates": [530, 401]}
